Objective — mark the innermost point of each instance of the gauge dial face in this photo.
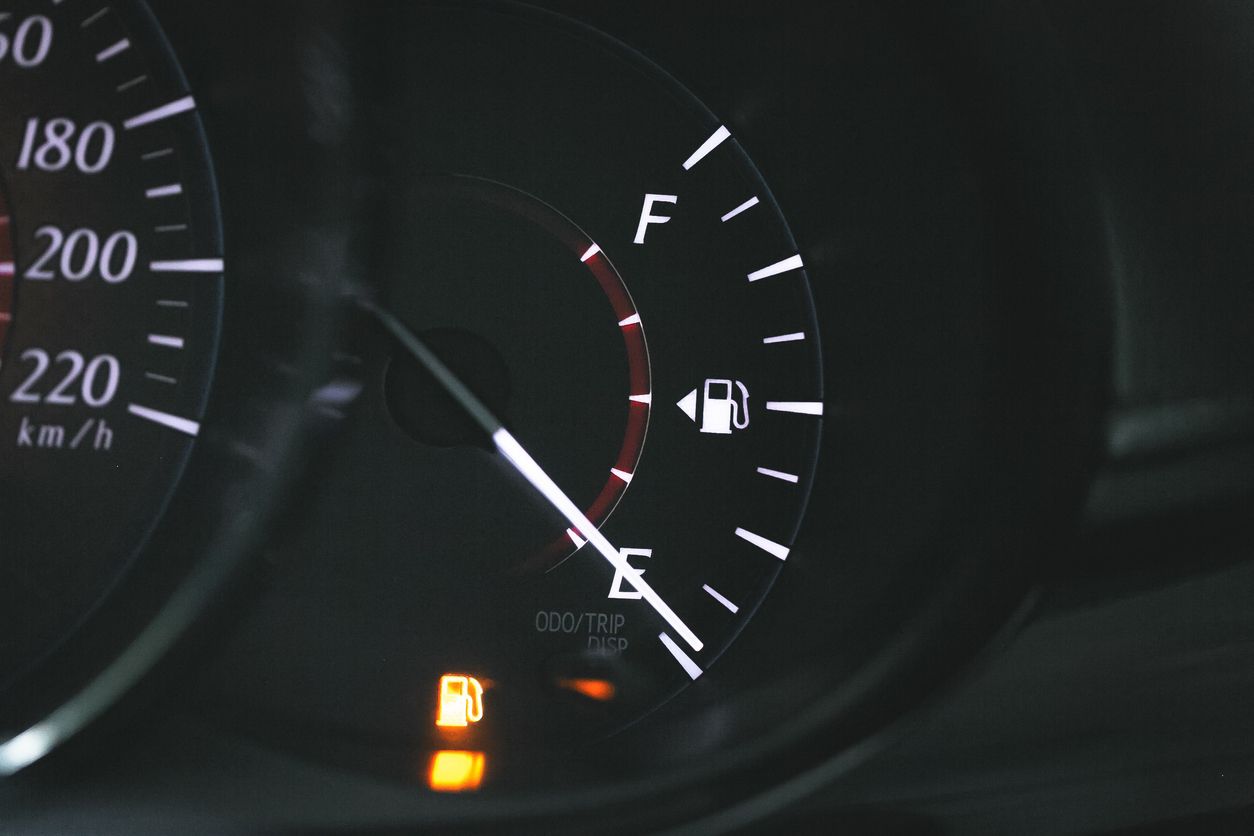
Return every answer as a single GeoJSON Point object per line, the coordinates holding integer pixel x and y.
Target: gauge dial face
{"type": "Point", "coordinates": [593, 254]}
{"type": "Point", "coordinates": [111, 265]}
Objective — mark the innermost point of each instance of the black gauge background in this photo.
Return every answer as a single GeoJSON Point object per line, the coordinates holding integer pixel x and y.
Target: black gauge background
{"type": "Point", "coordinates": [930, 168]}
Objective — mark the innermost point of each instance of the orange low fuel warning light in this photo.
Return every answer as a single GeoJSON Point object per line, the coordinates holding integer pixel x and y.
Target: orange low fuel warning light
{"type": "Point", "coordinates": [461, 700]}
{"type": "Point", "coordinates": [456, 771]}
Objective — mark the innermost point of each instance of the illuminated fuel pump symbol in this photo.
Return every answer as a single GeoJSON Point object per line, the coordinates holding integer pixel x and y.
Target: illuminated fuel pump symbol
{"type": "Point", "coordinates": [724, 406]}
{"type": "Point", "coordinates": [461, 700]}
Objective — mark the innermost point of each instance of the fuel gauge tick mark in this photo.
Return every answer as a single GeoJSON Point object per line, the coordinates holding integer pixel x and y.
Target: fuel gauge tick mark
{"type": "Point", "coordinates": [786, 266]}
{"type": "Point", "coordinates": [714, 593]}
{"type": "Point", "coordinates": [769, 546]}
{"type": "Point", "coordinates": [685, 661]}
{"type": "Point", "coordinates": [716, 139]}
{"type": "Point", "coordinates": [744, 207]}
{"type": "Point", "coordinates": [779, 474]}
{"type": "Point", "coordinates": [785, 338]}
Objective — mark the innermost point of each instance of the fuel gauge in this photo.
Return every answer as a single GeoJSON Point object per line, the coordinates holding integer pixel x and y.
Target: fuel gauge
{"type": "Point", "coordinates": [590, 403]}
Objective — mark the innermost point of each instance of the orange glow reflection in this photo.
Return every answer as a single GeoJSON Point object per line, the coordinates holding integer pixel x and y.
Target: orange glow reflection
{"type": "Point", "coordinates": [601, 690]}
{"type": "Point", "coordinates": [456, 771]}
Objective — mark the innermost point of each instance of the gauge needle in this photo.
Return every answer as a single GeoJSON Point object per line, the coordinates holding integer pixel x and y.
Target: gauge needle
{"type": "Point", "coordinates": [527, 466]}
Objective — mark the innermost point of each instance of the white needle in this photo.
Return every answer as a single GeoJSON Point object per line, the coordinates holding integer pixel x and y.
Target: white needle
{"type": "Point", "coordinates": [530, 470]}
{"type": "Point", "coordinates": [533, 473]}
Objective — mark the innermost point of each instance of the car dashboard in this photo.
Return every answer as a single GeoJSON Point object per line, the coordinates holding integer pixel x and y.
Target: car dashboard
{"type": "Point", "coordinates": [488, 416]}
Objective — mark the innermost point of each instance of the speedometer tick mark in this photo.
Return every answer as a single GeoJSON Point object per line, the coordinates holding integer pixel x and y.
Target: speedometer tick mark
{"type": "Point", "coordinates": [164, 191]}
{"type": "Point", "coordinates": [156, 155]}
{"type": "Point", "coordinates": [189, 265]}
{"type": "Point", "coordinates": [160, 378]}
{"type": "Point", "coordinates": [134, 82]}
{"type": "Point", "coordinates": [165, 341]}
{"type": "Point", "coordinates": [165, 419]}
{"type": "Point", "coordinates": [95, 17]}
{"type": "Point", "coordinates": [590, 253]}
{"type": "Point", "coordinates": [634, 319]}
{"type": "Point", "coordinates": [165, 111]}
{"type": "Point", "coordinates": [113, 51]}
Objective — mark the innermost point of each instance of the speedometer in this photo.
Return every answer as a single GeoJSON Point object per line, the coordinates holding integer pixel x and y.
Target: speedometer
{"type": "Point", "coordinates": [111, 267]}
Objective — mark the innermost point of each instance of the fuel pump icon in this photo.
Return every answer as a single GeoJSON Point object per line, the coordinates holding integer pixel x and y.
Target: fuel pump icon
{"type": "Point", "coordinates": [461, 700]}
{"type": "Point", "coordinates": [723, 406]}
